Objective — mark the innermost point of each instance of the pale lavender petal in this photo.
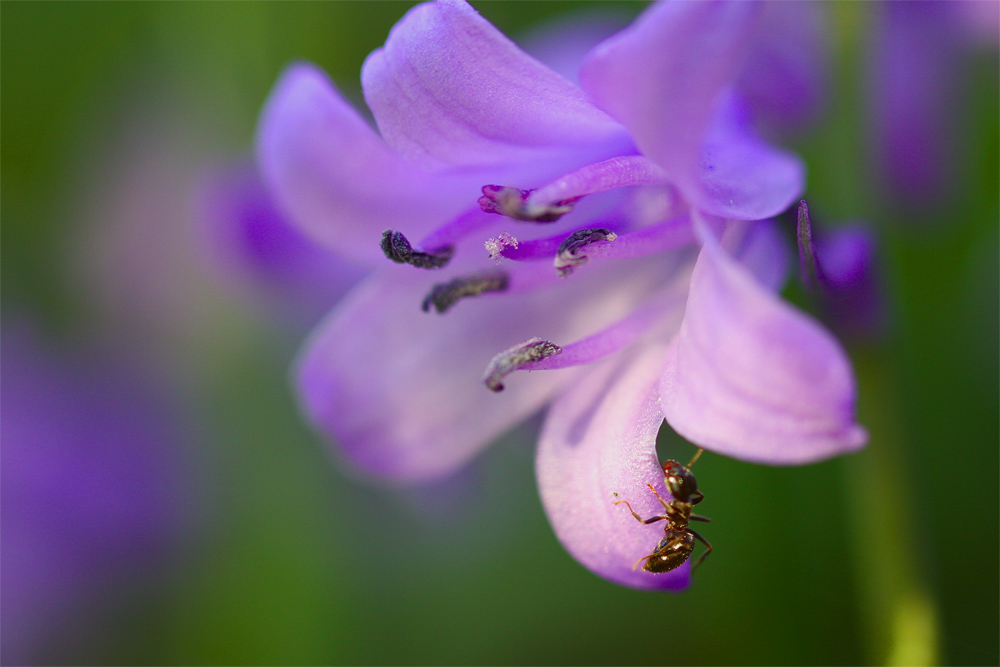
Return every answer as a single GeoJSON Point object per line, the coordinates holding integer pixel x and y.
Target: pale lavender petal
{"type": "Point", "coordinates": [400, 390]}
{"type": "Point", "coordinates": [450, 87]}
{"type": "Point", "coordinates": [742, 177]}
{"type": "Point", "coordinates": [598, 446]}
{"type": "Point", "coordinates": [750, 377]}
{"type": "Point", "coordinates": [336, 179]}
{"type": "Point", "coordinates": [661, 77]}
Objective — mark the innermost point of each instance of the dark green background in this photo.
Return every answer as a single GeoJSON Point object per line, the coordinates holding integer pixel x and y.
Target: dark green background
{"type": "Point", "coordinates": [287, 560]}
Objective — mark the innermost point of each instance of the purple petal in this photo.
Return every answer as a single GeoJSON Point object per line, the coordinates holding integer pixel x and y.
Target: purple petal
{"type": "Point", "coordinates": [401, 391]}
{"type": "Point", "coordinates": [661, 76]}
{"type": "Point", "coordinates": [336, 179]}
{"type": "Point", "coordinates": [752, 378]}
{"type": "Point", "coordinates": [564, 42]}
{"type": "Point", "coordinates": [259, 247]}
{"type": "Point", "coordinates": [449, 87]}
{"type": "Point", "coordinates": [742, 177]}
{"type": "Point", "coordinates": [599, 440]}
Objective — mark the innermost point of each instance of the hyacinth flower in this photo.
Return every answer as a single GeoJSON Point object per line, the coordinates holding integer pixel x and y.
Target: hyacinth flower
{"type": "Point", "coordinates": [628, 254]}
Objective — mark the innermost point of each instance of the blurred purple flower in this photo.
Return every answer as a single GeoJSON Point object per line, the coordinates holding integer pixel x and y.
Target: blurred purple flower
{"type": "Point", "coordinates": [916, 52]}
{"type": "Point", "coordinates": [89, 491]}
{"type": "Point", "coordinates": [650, 158]}
{"type": "Point", "coordinates": [840, 266]}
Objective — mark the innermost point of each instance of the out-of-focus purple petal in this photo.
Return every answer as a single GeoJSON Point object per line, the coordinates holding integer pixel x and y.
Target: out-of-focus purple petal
{"type": "Point", "coordinates": [259, 246]}
{"type": "Point", "coordinates": [913, 65]}
{"type": "Point", "coordinates": [333, 176]}
{"type": "Point", "coordinates": [598, 446]}
{"type": "Point", "coordinates": [449, 87]}
{"type": "Point", "coordinates": [750, 377]}
{"type": "Point", "coordinates": [853, 296]}
{"type": "Point", "coordinates": [401, 390]}
{"type": "Point", "coordinates": [662, 75]}
{"type": "Point", "coordinates": [742, 177]}
{"type": "Point", "coordinates": [562, 43]}
{"type": "Point", "coordinates": [786, 79]}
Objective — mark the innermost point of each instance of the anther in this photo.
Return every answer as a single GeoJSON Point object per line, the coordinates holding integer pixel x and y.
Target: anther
{"type": "Point", "coordinates": [568, 256]}
{"type": "Point", "coordinates": [445, 295]}
{"type": "Point", "coordinates": [512, 202]}
{"type": "Point", "coordinates": [397, 248]}
{"type": "Point", "coordinates": [812, 272]}
{"type": "Point", "coordinates": [508, 361]}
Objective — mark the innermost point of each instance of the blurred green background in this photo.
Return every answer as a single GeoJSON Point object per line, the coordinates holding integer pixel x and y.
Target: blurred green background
{"type": "Point", "coordinates": [112, 112]}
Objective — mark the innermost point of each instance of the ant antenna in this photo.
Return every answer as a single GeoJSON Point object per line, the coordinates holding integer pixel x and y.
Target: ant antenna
{"type": "Point", "coordinates": [697, 454]}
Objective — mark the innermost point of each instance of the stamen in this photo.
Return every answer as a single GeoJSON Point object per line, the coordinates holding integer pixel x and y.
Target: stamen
{"type": "Point", "coordinates": [512, 202]}
{"type": "Point", "coordinates": [812, 272]}
{"type": "Point", "coordinates": [618, 172]}
{"type": "Point", "coordinates": [615, 337]}
{"type": "Point", "coordinates": [510, 360]}
{"type": "Point", "coordinates": [397, 248]}
{"type": "Point", "coordinates": [653, 239]}
{"type": "Point", "coordinates": [568, 257]}
{"type": "Point", "coordinates": [445, 295]}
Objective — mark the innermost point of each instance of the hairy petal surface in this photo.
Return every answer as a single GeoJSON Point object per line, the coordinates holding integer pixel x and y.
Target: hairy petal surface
{"type": "Point", "coordinates": [750, 377]}
{"type": "Point", "coordinates": [449, 87]}
{"type": "Point", "coordinates": [599, 440]}
{"type": "Point", "coordinates": [335, 177]}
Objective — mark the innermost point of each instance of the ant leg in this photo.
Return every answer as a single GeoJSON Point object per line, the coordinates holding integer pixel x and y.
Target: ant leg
{"type": "Point", "coordinates": [707, 551]}
{"type": "Point", "coordinates": [698, 517]}
{"type": "Point", "coordinates": [663, 502]}
{"type": "Point", "coordinates": [652, 519]}
{"type": "Point", "coordinates": [640, 560]}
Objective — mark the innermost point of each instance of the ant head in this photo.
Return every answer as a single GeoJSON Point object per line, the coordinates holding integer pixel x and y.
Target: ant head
{"type": "Point", "coordinates": [679, 480]}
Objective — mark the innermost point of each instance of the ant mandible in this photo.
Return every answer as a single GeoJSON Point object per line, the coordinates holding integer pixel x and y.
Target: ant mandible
{"type": "Point", "coordinates": [677, 544]}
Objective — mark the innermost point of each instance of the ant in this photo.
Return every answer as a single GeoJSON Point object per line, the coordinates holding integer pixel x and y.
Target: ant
{"type": "Point", "coordinates": [677, 544]}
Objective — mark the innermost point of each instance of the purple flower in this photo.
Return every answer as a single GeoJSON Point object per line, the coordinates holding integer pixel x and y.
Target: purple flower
{"type": "Point", "coordinates": [89, 492]}
{"type": "Point", "coordinates": [840, 267]}
{"type": "Point", "coordinates": [915, 96]}
{"type": "Point", "coordinates": [627, 261]}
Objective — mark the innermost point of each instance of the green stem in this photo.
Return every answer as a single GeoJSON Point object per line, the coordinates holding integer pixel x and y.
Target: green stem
{"type": "Point", "coordinates": [899, 612]}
